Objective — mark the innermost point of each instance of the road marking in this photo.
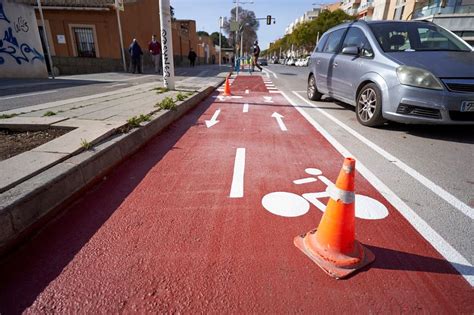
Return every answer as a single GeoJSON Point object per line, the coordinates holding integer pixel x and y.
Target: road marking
{"type": "Point", "coordinates": [461, 264]}
{"type": "Point", "coordinates": [452, 200]}
{"type": "Point", "coordinates": [304, 181]}
{"type": "Point", "coordinates": [279, 119]}
{"type": "Point", "coordinates": [247, 92]}
{"type": "Point", "coordinates": [267, 99]}
{"type": "Point", "coordinates": [274, 74]}
{"type": "Point", "coordinates": [237, 188]}
{"type": "Point", "coordinates": [26, 94]}
{"type": "Point", "coordinates": [273, 91]}
{"type": "Point", "coordinates": [213, 121]}
{"type": "Point", "coordinates": [114, 85]}
{"type": "Point", "coordinates": [246, 108]}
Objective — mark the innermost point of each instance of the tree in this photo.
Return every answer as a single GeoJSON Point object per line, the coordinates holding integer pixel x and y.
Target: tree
{"type": "Point", "coordinates": [215, 40]}
{"type": "Point", "coordinates": [203, 33]}
{"type": "Point", "coordinates": [248, 26]}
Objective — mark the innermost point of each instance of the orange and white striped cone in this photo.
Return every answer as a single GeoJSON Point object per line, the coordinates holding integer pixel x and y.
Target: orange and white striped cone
{"type": "Point", "coordinates": [332, 246]}
{"type": "Point", "coordinates": [227, 87]}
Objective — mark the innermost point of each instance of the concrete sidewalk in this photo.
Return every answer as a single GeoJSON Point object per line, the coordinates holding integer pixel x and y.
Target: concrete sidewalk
{"type": "Point", "coordinates": [34, 185]}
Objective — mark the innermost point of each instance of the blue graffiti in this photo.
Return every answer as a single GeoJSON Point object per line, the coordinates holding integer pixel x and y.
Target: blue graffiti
{"type": "Point", "coordinates": [2, 14]}
{"type": "Point", "coordinates": [10, 46]}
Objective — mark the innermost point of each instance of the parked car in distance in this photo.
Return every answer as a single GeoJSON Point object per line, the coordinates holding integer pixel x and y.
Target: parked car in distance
{"type": "Point", "coordinates": [404, 71]}
{"type": "Point", "coordinates": [305, 62]}
{"type": "Point", "coordinates": [262, 61]}
{"type": "Point", "coordinates": [290, 62]}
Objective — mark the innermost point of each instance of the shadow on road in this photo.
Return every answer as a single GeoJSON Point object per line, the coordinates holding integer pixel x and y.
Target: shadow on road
{"type": "Point", "coordinates": [28, 271]}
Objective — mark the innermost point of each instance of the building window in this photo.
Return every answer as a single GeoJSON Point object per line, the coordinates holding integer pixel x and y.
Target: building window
{"type": "Point", "coordinates": [84, 39]}
{"type": "Point", "coordinates": [399, 8]}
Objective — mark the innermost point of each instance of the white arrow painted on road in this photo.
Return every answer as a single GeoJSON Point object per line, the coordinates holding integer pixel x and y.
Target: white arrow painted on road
{"type": "Point", "coordinates": [246, 108]}
{"type": "Point", "coordinates": [279, 119]}
{"type": "Point", "coordinates": [267, 99]}
{"type": "Point", "coordinates": [247, 92]}
{"type": "Point", "coordinates": [213, 121]}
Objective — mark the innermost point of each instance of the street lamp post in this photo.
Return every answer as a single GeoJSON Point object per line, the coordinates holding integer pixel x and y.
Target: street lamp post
{"type": "Point", "coordinates": [220, 40]}
{"type": "Point", "coordinates": [237, 20]}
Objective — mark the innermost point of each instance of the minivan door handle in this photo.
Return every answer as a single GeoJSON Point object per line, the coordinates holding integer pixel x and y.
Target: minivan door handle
{"type": "Point", "coordinates": [335, 65]}
{"type": "Point", "coordinates": [318, 62]}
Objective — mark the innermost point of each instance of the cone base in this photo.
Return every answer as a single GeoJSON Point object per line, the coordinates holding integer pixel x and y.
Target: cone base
{"type": "Point", "coordinates": [367, 257]}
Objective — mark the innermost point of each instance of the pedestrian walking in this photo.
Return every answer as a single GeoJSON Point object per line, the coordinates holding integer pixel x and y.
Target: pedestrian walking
{"type": "Point", "coordinates": [256, 53]}
{"type": "Point", "coordinates": [192, 57]}
{"type": "Point", "coordinates": [136, 53]}
{"type": "Point", "coordinates": [155, 50]}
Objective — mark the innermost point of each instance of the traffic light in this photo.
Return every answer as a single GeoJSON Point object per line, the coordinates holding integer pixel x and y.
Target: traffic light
{"type": "Point", "coordinates": [269, 19]}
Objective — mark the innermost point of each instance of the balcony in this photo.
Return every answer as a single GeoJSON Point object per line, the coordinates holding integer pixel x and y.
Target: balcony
{"type": "Point", "coordinates": [434, 10]}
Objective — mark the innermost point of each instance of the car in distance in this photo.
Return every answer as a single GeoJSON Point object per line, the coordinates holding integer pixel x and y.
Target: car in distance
{"type": "Point", "coordinates": [404, 71]}
{"type": "Point", "coordinates": [262, 61]}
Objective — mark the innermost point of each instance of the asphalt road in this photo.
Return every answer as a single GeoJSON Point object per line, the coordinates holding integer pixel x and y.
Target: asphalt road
{"type": "Point", "coordinates": [429, 168]}
{"type": "Point", "coordinates": [18, 94]}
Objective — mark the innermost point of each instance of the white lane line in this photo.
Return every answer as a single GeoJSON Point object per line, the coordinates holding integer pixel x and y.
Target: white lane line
{"type": "Point", "coordinates": [452, 200]}
{"type": "Point", "coordinates": [26, 94]}
{"type": "Point", "coordinates": [279, 119]}
{"type": "Point", "coordinates": [461, 264]}
{"type": "Point", "coordinates": [274, 74]}
{"type": "Point", "coordinates": [246, 108]}
{"type": "Point", "coordinates": [272, 91]}
{"type": "Point", "coordinates": [237, 188]}
{"type": "Point", "coordinates": [267, 99]}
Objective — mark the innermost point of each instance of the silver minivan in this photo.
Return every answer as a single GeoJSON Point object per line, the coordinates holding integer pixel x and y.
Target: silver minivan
{"type": "Point", "coordinates": [404, 71]}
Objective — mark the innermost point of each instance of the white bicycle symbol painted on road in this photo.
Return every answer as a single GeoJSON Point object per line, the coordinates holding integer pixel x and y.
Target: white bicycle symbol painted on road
{"type": "Point", "coordinates": [289, 204]}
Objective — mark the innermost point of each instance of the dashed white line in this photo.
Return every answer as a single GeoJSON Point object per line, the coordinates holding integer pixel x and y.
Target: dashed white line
{"type": "Point", "coordinates": [246, 108]}
{"type": "Point", "coordinates": [461, 264]}
{"type": "Point", "coordinates": [237, 188]}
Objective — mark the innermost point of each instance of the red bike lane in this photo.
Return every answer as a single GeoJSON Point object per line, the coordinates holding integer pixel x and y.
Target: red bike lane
{"type": "Point", "coordinates": [173, 229]}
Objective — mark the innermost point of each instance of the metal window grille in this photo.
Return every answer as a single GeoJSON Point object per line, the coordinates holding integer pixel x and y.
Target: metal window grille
{"type": "Point", "coordinates": [84, 41]}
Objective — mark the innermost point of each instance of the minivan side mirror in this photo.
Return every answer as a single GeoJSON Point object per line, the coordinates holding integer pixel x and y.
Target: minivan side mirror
{"type": "Point", "coordinates": [351, 50]}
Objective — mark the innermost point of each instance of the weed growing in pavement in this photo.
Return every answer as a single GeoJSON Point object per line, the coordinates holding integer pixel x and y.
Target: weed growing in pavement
{"type": "Point", "coordinates": [167, 103]}
{"type": "Point", "coordinates": [135, 121]}
{"type": "Point", "coordinates": [181, 96]}
{"type": "Point", "coordinates": [49, 113]}
{"type": "Point", "coordinates": [160, 90]}
{"type": "Point", "coordinates": [6, 116]}
{"type": "Point", "coordinates": [86, 145]}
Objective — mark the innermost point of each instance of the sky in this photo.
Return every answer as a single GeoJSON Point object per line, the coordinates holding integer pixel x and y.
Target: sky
{"type": "Point", "coordinates": [206, 13]}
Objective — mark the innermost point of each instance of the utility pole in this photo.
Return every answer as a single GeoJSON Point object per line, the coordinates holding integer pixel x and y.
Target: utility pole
{"type": "Point", "coordinates": [117, 9]}
{"type": "Point", "coordinates": [220, 40]}
{"type": "Point", "coordinates": [167, 44]}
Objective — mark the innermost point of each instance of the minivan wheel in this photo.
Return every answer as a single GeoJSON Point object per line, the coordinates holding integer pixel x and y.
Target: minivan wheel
{"type": "Point", "coordinates": [369, 106]}
{"type": "Point", "coordinates": [312, 90]}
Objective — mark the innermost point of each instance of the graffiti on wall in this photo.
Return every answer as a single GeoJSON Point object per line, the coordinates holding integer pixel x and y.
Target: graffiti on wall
{"type": "Point", "coordinates": [10, 47]}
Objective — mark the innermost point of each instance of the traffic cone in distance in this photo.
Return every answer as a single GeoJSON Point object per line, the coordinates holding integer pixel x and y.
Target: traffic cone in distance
{"type": "Point", "coordinates": [332, 246]}
{"type": "Point", "coordinates": [227, 87]}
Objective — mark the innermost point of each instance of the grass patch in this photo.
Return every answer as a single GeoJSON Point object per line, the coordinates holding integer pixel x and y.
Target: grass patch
{"type": "Point", "coordinates": [6, 116]}
{"type": "Point", "coordinates": [135, 121]}
{"type": "Point", "coordinates": [49, 113]}
{"type": "Point", "coordinates": [181, 97]}
{"type": "Point", "coordinates": [160, 90]}
{"type": "Point", "coordinates": [167, 103]}
{"type": "Point", "coordinates": [86, 145]}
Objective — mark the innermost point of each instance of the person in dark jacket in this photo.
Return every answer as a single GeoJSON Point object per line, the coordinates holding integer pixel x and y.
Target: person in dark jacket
{"type": "Point", "coordinates": [192, 57]}
{"type": "Point", "coordinates": [255, 54]}
{"type": "Point", "coordinates": [135, 53]}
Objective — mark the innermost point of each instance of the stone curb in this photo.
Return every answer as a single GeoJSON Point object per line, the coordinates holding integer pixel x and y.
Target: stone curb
{"type": "Point", "coordinates": [27, 207]}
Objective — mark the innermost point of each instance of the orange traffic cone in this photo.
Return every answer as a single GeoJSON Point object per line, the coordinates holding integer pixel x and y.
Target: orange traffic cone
{"type": "Point", "coordinates": [227, 87]}
{"type": "Point", "coordinates": [332, 246]}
